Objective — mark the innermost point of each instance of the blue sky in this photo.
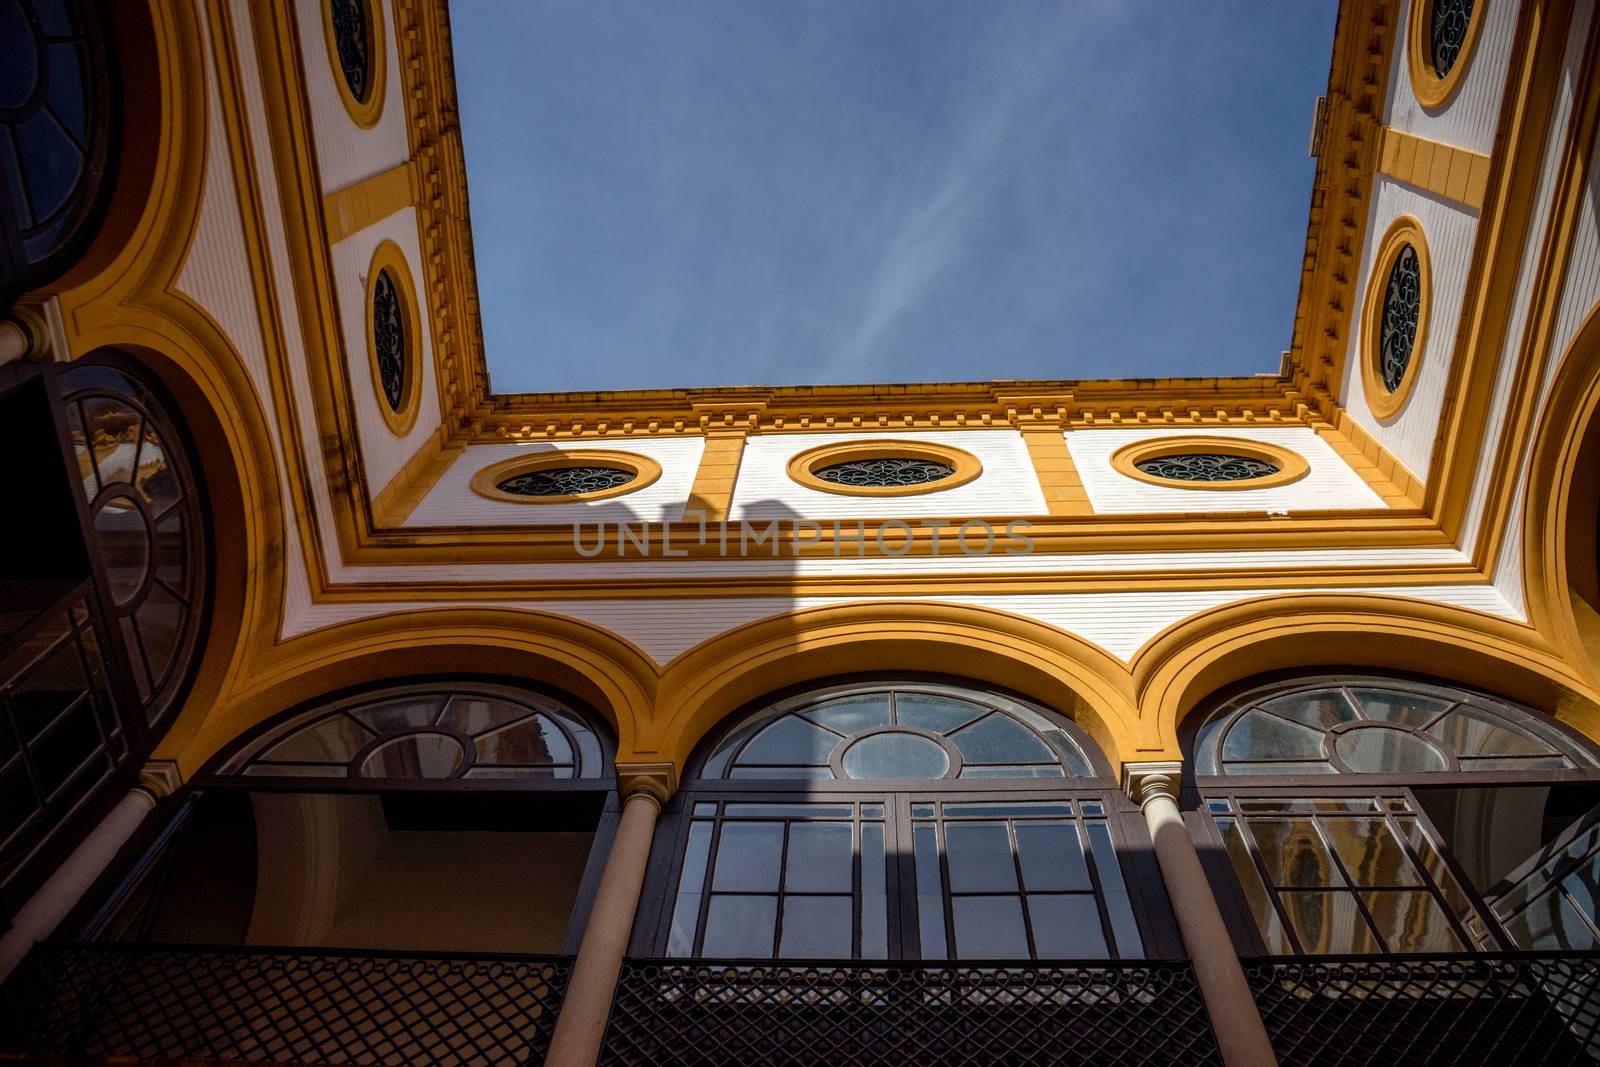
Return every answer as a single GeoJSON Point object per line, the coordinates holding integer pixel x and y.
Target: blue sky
{"type": "Point", "coordinates": [791, 192]}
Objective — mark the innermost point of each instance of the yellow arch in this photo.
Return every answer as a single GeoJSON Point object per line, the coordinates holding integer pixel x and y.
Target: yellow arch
{"type": "Point", "coordinates": [1183, 665]}
{"type": "Point", "coordinates": [716, 677]}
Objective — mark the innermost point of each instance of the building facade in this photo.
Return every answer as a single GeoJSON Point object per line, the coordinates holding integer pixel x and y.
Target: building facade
{"type": "Point", "coordinates": [353, 713]}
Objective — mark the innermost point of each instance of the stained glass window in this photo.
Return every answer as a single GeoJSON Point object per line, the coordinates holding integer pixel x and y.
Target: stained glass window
{"type": "Point", "coordinates": [884, 473]}
{"type": "Point", "coordinates": [351, 20]}
{"type": "Point", "coordinates": [1451, 19]}
{"type": "Point", "coordinates": [1402, 303]}
{"type": "Point", "coordinates": [55, 133]}
{"type": "Point", "coordinates": [140, 490]}
{"type": "Point", "coordinates": [1376, 726]}
{"type": "Point", "coordinates": [1207, 467]}
{"type": "Point", "coordinates": [566, 481]}
{"type": "Point", "coordinates": [389, 340]}
{"type": "Point", "coordinates": [471, 732]}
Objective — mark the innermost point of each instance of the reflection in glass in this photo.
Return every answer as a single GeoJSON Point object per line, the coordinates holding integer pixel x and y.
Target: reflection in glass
{"type": "Point", "coordinates": [1051, 856]}
{"type": "Point", "coordinates": [1328, 923]}
{"type": "Point", "coordinates": [419, 755]}
{"type": "Point", "coordinates": [740, 927]}
{"type": "Point", "coordinates": [847, 715]}
{"type": "Point", "coordinates": [1406, 709]}
{"type": "Point", "coordinates": [998, 739]}
{"type": "Point", "coordinates": [1066, 926]}
{"type": "Point", "coordinates": [820, 858]}
{"type": "Point", "coordinates": [1411, 922]}
{"type": "Point", "coordinates": [1370, 852]}
{"type": "Point", "coordinates": [1293, 854]}
{"type": "Point", "coordinates": [816, 928]}
{"type": "Point", "coordinates": [748, 856]}
{"type": "Point", "coordinates": [1377, 750]}
{"type": "Point", "coordinates": [124, 542]}
{"type": "Point", "coordinates": [979, 855]}
{"type": "Point", "coordinates": [989, 928]}
{"type": "Point", "coordinates": [1257, 735]}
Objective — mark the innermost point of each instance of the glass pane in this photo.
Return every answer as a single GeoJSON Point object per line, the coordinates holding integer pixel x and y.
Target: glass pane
{"type": "Point", "coordinates": [1066, 927]}
{"type": "Point", "coordinates": [849, 715]}
{"type": "Point", "coordinates": [549, 770]}
{"type": "Point", "coordinates": [423, 755]}
{"type": "Point", "coordinates": [1515, 763]}
{"type": "Point", "coordinates": [1320, 708]}
{"type": "Point", "coordinates": [780, 811]}
{"type": "Point", "coordinates": [1296, 804]}
{"type": "Point", "coordinates": [991, 810]}
{"type": "Point", "coordinates": [113, 431]}
{"type": "Point", "coordinates": [874, 893]}
{"type": "Point", "coordinates": [685, 914]}
{"type": "Point", "coordinates": [160, 620]}
{"type": "Point", "coordinates": [816, 928]}
{"type": "Point", "coordinates": [937, 714]}
{"type": "Point", "coordinates": [989, 928]}
{"type": "Point", "coordinates": [1052, 856]}
{"type": "Point", "coordinates": [124, 543]}
{"type": "Point", "coordinates": [1000, 739]}
{"type": "Point", "coordinates": [930, 894]}
{"type": "Point", "coordinates": [770, 773]}
{"type": "Point", "coordinates": [395, 715]}
{"type": "Point", "coordinates": [1328, 923]}
{"type": "Point", "coordinates": [1376, 750]}
{"type": "Point", "coordinates": [157, 482]}
{"type": "Point", "coordinates": [872, 859]}
{"type": "Point", "coordinates": [535, 740]}
{"type": "Point", "coordinates": [172, 557]}
{"type": "Point", "coordinates": [1279, 768]}
{"type": "Point", "coordinates": [979, 855]}
{"type": "Point", "coordinates": [686, 910]}
{"type": "Point", "coordinates": [790, 740]}
{"type": "Point", "coordinates": [1408, 709]}
{"type": "Point", "coordinates": [694, 858]}
{"type": "Point", "coordinates": [740, 927]}
{"type": "Point", "coordinates": [748, 856]}
{"type": "Point", "coordinates": [1370, 852]}
{"type": "Point", "coordinates": [820, 859]}
{"type": "Point", "coordinates": [475, 714]}
{"type": "Point", "coordinates": [1013, 770]}
{"type": "Point", "coordinates": [1293, 854]}
{"type": "Point", "coordinates": [335, 739]}
{"type": "Point", "coordinates": [1244, 869]}
{"type": "Point", "coordinates": [1470, 732]}
{"type": "Point", "coordinates": [895, 755]}
{"type": "Point", "coordinates": [295, 770]}
{"type": "Point", "coordinates": [1257, 735]}
{"type": "Point", "coordinates": [1411, 922]}
{"type": "Point", "coordinates": [1119, 909]}
{"type": "Point", "coordinates": [48, 689]}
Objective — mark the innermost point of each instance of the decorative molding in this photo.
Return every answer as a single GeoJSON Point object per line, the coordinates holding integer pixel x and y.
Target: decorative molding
{"type": "Point", "coordinates": [1150, 780]}
{"type": "Point", "coordinates": [711, 496]}
{"type": "Point", "coordinates": [1291, 466]}
{"type": "Point", "coordinates": [352, 209]}
{"type": "Point", "coordinates": [388, 259]}
{"type": "Point", "coordinates": [1431, 90]}
{"type": "Point", "coordinates": [486, 482]}
{"type": "Point", "coordinates": [161, 778]}
{"type": "Point", "coordinates": [656, 779]}
{"type": "Point", "coordinates": [802, 467]}
{"type": "Point", "coordinates": [1404, 232]}
{"type": "Point", "coordinates": [1450, 172]}
{"type": "Point", "coordinates": [364, 113]}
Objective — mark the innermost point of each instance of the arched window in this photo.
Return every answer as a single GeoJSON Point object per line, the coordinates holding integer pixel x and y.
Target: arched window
{"type": "Point", "coordinates": [1373, 814]}
{"type": "Point", "coordinates": [430, 733]}
{"type": "Point", "coordinates": [902, 819]}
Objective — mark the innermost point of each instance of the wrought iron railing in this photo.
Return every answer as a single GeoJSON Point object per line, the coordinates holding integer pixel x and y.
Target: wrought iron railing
{"type": "Point", "coordinates": [167, 1002]}
{"type": "Point", "coordinates": [703, 1013]}
{"type": "Point", "coordinates": [1528, 1009]}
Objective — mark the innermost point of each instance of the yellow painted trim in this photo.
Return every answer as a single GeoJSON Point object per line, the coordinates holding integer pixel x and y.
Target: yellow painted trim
{"type": "Point", "coordinates": [355, 207]}
{"type": "Point", "coordinates": [801, 467]}
{"type": "Point", "coordinates": [1404, 231]}
{"type": "Point", "coordinates": [1431, 90]}
{"type": "Point", "coordinates": [1387, 476]}
{"type": "Point", "coordinates": [1291, 465]}
{"type": "Point", "coordinates": [364, 113]}
{"type": "Point", "coordinates": [711, 496]}
{"type": "Point", "coordinates": [388, 258]}
{"type": "Point", "coordinates": [1057, 473]}
{"type": "Point", "coordinates": [1450, 172]}
{"type": "Point", "coordinates": [487, 481]}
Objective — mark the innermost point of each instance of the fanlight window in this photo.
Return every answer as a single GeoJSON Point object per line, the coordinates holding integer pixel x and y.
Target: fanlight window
{"type": "Point", "coordinates": [1451, 19]}
{"type": "Point", "coordinates": [885, 473]}
{"type": "Point", "coordinates": [1375, 726]}
{"type": "Point", "coordinates": [473, 732]}
{"type": "Point", "coordinates": [389, 340]}
{"type": "Point", "coordinates": [566, 481]}
{"type": "Point", "coordinates": [900, 733]}
{"type": "Point", "coordinates": [1402, 304]}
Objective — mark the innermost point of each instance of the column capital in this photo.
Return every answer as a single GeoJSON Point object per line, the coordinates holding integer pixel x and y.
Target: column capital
{"type": "Point", "coordinates": [1144, 782]}
{"type": "Point", "coordinates": [160, 778]}
{"type": "Point", "coordinates": [658, 780]}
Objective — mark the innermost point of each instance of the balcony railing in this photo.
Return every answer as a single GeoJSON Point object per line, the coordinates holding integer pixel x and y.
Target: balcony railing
{"type": "Point", "coordinates": [88, 1001]}
{"type": "Point", "coordinates": [1528, 1009]}
{"type": "Point", "coordinates": [711, 1013]}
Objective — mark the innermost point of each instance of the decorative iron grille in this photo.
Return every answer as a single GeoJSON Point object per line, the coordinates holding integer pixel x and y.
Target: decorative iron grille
{"type": "Point", "coordinates": [884, 473]}
{"type": "Point", "coordinates": [1402, 302]}
{"type": "Point", "coordinates": [1207, 467]}
{"type": "Point", "coordinates": [282, 1006]}
{"type": "Point", "coordinates": [389, 340]}
{"type": "Point", "coordinates": [566, 481]}
{"type": "Point", "coordinates": [1529, 1009]}
{"type": "Point", "coordinates": [1450, 21]}
{"type": "Point", "coordinates": [349, 18]}
{"type": "Point", "coordinates": [709, 1013]}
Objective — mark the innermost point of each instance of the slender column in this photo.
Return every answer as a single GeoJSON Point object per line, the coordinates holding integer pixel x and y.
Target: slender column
{"type": "Point", "coordinates": [587, 1006]}
{"type": "Point", "coordinates": [1235, 1019]}
{"type": "Point", "coordinates": [15, 341]}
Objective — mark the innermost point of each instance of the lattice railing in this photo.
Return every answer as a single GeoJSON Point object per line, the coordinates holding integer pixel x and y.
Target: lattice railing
{"type": "Point", "coordinates": [710, 1013]}
{"type": "Point", "coordinates": [1527, 1009]}
{"type": "Point", "coordinates": [283, 1006]}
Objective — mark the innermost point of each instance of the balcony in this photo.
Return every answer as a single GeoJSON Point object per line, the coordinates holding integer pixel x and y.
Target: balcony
{"type": "Point", "coordinates": [167, 1003]}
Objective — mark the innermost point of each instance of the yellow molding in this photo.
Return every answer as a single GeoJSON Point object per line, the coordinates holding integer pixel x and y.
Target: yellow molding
{"type": "Point", "coordinates": [711, 495]}
{"type": "Point", "coordinates": [801, 469]}
{"type": "Point", "coordinates": [1432, 90]}
{"type": "Point", "coordinates": [1058, 474]}
{"type": "Point", "coordinates": [364, 113]}
{"type": "Point", "coordinates": [355, 207]}
{"type": "Point", "coordinates": [389, 261]}
{"type": "Point", "coordinates": [412, 482]}
{"type": "Point", "coordinates": [1292, 466]}
{"type": "Point", "coordinates": [486, 482]}
{"type": "Point", "coordinates": [1386, 476]}
{"type": "Point", "coordinates": [1405, 232]}
{"type": "Point", "coordinates": [1450, 172]}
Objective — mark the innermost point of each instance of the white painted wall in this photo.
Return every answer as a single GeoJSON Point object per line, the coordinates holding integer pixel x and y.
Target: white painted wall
{"type": "Point", "coordinates": [382, 452]}
{"type": "Point", "coordinates": [1007, 486]}
{"type": "Point", "coordinates": [452, 502]}
{"type": "Point", "coordinates": [347, 153]}
{"type": "Point", "coordinates": [1450, 230]}
{"type": "Point", "coordinates": [1468, 119]}
{"type": "Point", "coordinates": [1330, 484]}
